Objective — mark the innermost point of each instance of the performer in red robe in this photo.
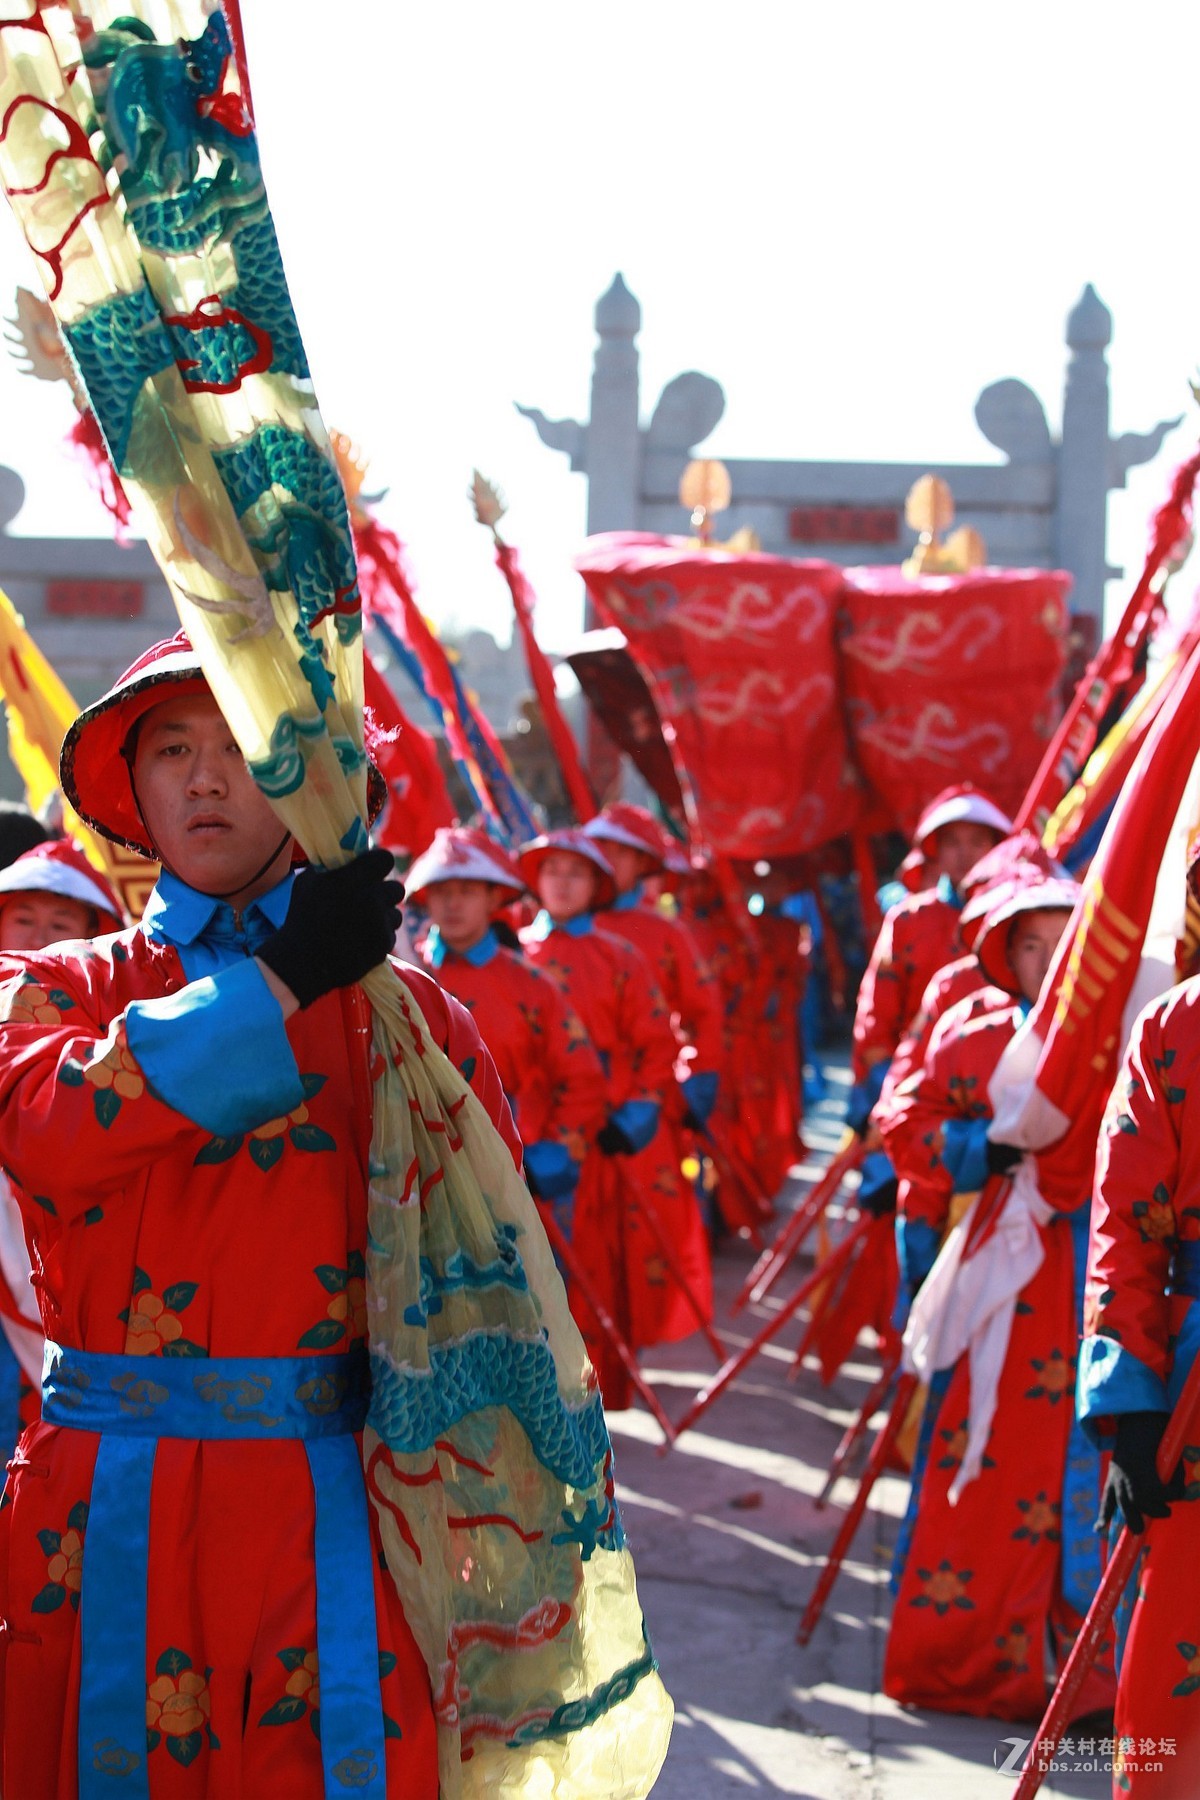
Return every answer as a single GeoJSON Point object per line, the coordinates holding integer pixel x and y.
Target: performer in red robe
{"type": "Point", "coordinates": [998, 1550]}
{"type": "Point", "coordinates": [549, 1069]}
{"type": "Point", "coordinates": [632, 843]}
{"type": "Point", "coordinates": [1142, 1331]}
{"type": "Point", "coordinates": [190, 1574]}
{"type": "Point", "coordinates": [48, 894]}
{"type": "Point", "coordinates": [612, 988]}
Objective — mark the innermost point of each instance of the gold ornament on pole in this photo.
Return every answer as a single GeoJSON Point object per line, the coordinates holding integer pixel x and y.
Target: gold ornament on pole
{"type": "Point", "coordinates": [929, 510]}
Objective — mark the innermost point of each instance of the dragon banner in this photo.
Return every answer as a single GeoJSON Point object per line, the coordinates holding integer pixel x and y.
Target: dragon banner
{"type": "Point", "coordinates": [952, 678]}
{"type": "Point", "coordinates": [740, 655]}
{"type": "Point", "coordinates": [129, 156]}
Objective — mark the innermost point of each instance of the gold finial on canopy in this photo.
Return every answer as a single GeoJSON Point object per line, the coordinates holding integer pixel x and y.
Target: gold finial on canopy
{"type": "Point", "coordinates": [929, 510]}
{"type": "Point", "coordinates": [705, 489]}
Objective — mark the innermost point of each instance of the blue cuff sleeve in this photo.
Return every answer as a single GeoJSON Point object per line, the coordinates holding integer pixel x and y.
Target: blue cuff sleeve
{"type": "Point", "coordinates": [1112, 1380]}
{"type": "Point", "coordinates": [964, 1153]}
{"type": "Point", "coordinates": [700, 1093]}
{"type": "Point", "coordinates": [638, 1119]}
{"type": "Point", "coordinates": [864, 1094]}
{"type": "Point", "coordinates": [916, 1250]}
{"type": "Point", "coordinates": [218, 1051]}
{"type": "Point", "coordinates": [555, 1172]}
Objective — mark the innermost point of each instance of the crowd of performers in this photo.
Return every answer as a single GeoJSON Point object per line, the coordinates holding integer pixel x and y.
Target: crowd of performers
{"type": "Point", "coordinates": [622, 1005]}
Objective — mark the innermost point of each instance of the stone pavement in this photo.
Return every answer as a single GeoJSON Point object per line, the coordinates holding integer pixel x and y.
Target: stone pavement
{"type": "Point", "coordinates": [728, 1546]}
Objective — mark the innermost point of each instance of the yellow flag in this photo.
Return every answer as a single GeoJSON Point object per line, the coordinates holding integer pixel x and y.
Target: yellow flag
{"type": "Point", "coordinates": [39, 710]}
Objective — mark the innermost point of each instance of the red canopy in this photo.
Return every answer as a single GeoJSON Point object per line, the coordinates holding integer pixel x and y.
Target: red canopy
{"type": "Point", "coordinates": [740, 656]}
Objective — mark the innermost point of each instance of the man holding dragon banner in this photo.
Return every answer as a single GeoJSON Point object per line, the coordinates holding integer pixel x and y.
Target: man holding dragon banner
{"type": "Point", "coordinates": [128, 152]}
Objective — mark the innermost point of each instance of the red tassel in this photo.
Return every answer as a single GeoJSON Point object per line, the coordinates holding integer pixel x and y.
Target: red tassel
{"type": "Point", "coordinates": [579, 788]}
{"type": "Point", "coordinates": [87, 443]}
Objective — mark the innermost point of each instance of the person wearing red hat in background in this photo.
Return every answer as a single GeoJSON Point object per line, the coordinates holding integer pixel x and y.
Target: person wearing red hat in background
{"type": "Point", "coordinates": [50, 893]}
{"type": "Point", "coordinates": [1141, 1335]}
{"type": "Point", "coordinates": [612, 988]}
{"type": "Point", "coordinates": [632, 842]}
{"type": "Point", "coordinates": [547, 1065]}
{"type": "Point", "coordinates": [996, 1561]}
{"type": "Point", "coordinates": [917, 938]}
{"type": "Point", "coordinates": [185, 1113]}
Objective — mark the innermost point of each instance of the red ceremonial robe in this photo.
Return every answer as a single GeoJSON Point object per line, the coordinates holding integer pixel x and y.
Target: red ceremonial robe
{"type": "Point", "coordinates": [917, 937]}
{"type": "Point", "coordinates": [612, 989]}
{"type": "Point", "coordinates": [152, 1236]}
{"type": "Point", "coordinates": [1142, 1331]}
{"type": "Point", "coordinates": [986, 1580]}
{"type": "Point", "coordinates": [691, 996]}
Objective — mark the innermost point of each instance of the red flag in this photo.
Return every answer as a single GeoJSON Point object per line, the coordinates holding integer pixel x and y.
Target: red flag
{"type": "Point", "coordinates": [418, 800]}
{"type": "Point", "coordinates": [1118, 661]}
{"type": "Point", "coordinates": [579, 789]}
{"type": "Point", "coordinates": [1054, 1079]}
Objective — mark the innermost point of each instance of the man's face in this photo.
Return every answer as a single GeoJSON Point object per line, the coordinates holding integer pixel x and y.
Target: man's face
{"type": "Point", "coordinates": [208, 821]}
{"type": "Point", "coordinates": [30, 921]}
{"type": "Point", "coordinates": [959, 847]}
{"type": "Point", "coordinates": [628, 865]}
{"type": "Point", "coordinates": [1032, 940]}
{"type": "Point", "coordinates": [461, 910]}
{"type": "Point", "coordinates": [566, 885]}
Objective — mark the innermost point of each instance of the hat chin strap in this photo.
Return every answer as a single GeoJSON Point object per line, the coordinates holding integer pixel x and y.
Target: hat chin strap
{"type": "Point", "coordinates": [207, 892]}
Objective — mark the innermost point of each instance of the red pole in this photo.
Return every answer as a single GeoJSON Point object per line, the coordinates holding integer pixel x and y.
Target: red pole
{"type": "Point", "coordinates": [736, 1364]}
{"type": "Point", "coordinates": [1095, 1627]}
{"type": "Point", "coordinates": [886, 1437]}
{"type": "Point", "coordinates": [775, 1258]}
{"type": "Point", "coordinates": [561, 1246]}
{"type": "Point", "coordinates": [858, 1425]}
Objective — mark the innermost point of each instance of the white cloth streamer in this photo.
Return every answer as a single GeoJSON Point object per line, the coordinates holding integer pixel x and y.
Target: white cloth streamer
{"type": "Point", "coordinates": [968, 1306]}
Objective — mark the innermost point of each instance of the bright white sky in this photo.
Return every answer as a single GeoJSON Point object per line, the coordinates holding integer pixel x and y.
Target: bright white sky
{"type": "Point", "coordinates": [853, 216]}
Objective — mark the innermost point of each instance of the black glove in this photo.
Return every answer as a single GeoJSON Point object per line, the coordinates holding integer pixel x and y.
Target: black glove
{"type": "Point", "coordinates": [613, 1142]}
{"type": "Point", "coordinates": [340, 923]}
{"type": "Point", "coordinates": [880, 1200]}
{"type": "Point", "coordinates": [693, 1122]}
{"type": "Point", "coordinates": [1002, 1157]}
{"type": "Point", "coordinates": [1133, 1487]}
{"type": "Point", "coordinates": [531, 1182]}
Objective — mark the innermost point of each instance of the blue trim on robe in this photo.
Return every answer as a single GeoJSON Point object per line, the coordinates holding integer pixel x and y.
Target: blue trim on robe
{"type": "Point", "coordinates": [436, 950]}
{"type": "Point", "coordinates": [553, 1168]}
{"type": "Point", "coordinates": [700, 1093]}
{"type": "Point", "coordinates": [638, 1119]}
{"type": "Point", "coordinates": [1113, 1380]}
{"type": "Point", "coordinates": [628, 901]}
{"type": "Point", "coordinates": [917, 1246]}
{"type": "Point", "coordinates": [964, 1153]}
{"type": "Point", "coordinates": [1081, 1560]}
{"type": "Point", "coordinates": [947, 891]}
{"type": "Point", "coordinates": [217, 1051]}
{"type": "Point", "coordinates": [860, 1101]}
{"type": "Point", "coordinates": [544, 926]}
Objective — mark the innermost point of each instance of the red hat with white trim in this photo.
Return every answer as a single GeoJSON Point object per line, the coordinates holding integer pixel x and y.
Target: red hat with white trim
{"type": "Point", "coordinates": [634, 826]}
{"type": "Point", "coordinates": [1022, 852]}
{"type": "Point", "coordinates": [573, 838]}
{"type": "Point", "coordinates": [94, 760]}
{"type": "Point", "coordinates": [60, 867]}
{"type": "Point", "coordinates": [961, 805]}
{"type": "Point", "coordinates": [991, 944]}
{"type": "Point", "coordinates": [461, 853]}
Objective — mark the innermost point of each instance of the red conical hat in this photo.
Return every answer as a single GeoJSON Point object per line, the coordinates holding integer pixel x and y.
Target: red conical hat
{"type": "Point", "coordinates": [462, 853]}
{"type": "Point", "coordinates": [960, 805]}
{"type": "Point", "coordinates": [634, 826]}
{"type": "Point", "coordinates": [60, 867]}
{"type": "Point", "coordinates": [991, 944]}
{"type": "Point", "coordinates": [93, 772]}
{"type": "Point", "coordinates": [575, 839]}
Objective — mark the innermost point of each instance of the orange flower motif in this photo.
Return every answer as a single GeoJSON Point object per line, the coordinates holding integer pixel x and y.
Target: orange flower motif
{"type": "Point", "coordinates": [303, 1683]}
{"type": "Point", "coordinates": [350, 1306]}
{"type": "Point", "coordinates": [178, 1704]}
{"type": "Point", "coordinates": [66, 1565]}
{"type": "Point", "coordinates": [1056, 1375]}
{"type": "Point", "coordinates": [151, 1325]}
{"type": "Point", "coordinates": [31, 1004]}
{"type": "Point", "coordinates": [276, 1127]}
{"type": "Point", "coordinates": [117, 1070]}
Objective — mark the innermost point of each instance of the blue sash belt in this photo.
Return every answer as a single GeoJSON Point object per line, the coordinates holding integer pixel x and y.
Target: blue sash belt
{"type": "Point", "coordinates": [132, 1401]}
{"type": "Point", "coordinates": [1185, 1269]}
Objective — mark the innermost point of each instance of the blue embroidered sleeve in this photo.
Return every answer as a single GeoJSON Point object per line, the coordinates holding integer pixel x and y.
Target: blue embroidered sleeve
{"type": "Point", "coordinates": [700, 1093]}
{"type": "Point", "coordinates": [864, 1094]}
{"type": "Point", "coordinates": [964, 1153]}
{"type": "Point", "coordinates": [1112, 1380]}
{"type": "Point", "coordinates": [217, 1051]}
{"type": "Point", "coordinates": [916, 1250]}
